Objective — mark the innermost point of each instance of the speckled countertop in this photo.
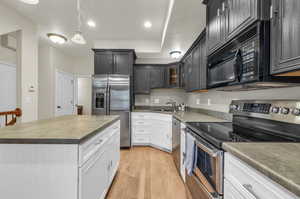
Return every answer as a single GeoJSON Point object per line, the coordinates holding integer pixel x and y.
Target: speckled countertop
{"type": "Point", "coordinates": [196, 117]}
{"type": "Point", "coordinates": [187, 116]}
{"type": "Point", "coordinates": [279, 161]}
{"type": "Point", "coordinates": [59, 130]}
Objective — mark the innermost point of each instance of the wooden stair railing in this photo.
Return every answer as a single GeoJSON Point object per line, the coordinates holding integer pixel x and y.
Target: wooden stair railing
{"type": "Point", "coordinates": [14, 114]}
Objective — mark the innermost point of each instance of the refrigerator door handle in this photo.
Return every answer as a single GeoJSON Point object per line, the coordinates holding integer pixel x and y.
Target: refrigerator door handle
{"type": "Point", "coordinates": [108, 100]}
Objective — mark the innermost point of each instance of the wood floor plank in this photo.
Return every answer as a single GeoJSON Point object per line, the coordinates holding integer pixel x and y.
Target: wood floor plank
{"type": "Point", "coordinates": [147, 173]}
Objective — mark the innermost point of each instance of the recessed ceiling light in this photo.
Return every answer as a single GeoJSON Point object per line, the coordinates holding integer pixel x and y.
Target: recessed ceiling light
{"type": "Point", "coordinates": [32, 2]}
{"type": "Point", "coordinates": [91, 23]}
{"type": "Point", "coordinates": [175, 54]}
{"type": "Point", "coordinates": [148, 24]}
{"type": "Point", "coordinates": [57, 38]}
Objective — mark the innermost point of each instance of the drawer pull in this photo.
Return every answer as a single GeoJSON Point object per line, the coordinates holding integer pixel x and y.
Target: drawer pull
{"type": "Point", "coordinates": [249, 188]}
{"type": "Point", "coordinates": [98, 142]}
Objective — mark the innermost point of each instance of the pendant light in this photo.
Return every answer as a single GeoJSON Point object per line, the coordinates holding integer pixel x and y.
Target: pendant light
{"type": "Point", "coordinates": [78, 37]}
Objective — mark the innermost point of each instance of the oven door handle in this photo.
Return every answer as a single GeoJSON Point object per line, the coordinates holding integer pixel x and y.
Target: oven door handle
{"type": "Point", "coordinates": [212, 152]}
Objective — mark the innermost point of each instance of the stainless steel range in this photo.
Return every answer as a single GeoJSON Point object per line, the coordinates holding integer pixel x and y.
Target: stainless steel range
{"type": "Point", "coordinates": [253, 121]}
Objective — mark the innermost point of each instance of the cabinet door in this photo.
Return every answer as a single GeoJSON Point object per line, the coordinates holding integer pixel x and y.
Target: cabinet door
{"type": "Point", "coordinates": [241, 13]}
{"type": "Point", "coordinates": [285, 36]}
{"type": "Point", "coordinates": [172, 76]}
{"type": "Point", "coordinates": [188, 72]}
{"type": "Point", "coordinates": [103, 63]}
{"type": "Point", "coordinates": [157, 77]}
{"type": "Point", "coordinates": [195, 73]}
{"type": "Point", "coordinates": [123, 63]}
{"type": "Point", "coordinates": [114, 155]}
{"type": "Point", "coordinates": [203, 64]}
{"type": "Point", "coordinates": [214, 24]}
{"type": "Point", "coordinates": [141, 80]}
{"type": "Point", "coordinates": [93, 177]}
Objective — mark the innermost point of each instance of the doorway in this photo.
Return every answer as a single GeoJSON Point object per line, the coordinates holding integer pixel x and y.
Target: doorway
{"type": "Point", "coordinates": [64, 102]}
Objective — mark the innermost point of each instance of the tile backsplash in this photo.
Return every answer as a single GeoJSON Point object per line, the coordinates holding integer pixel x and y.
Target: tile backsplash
{"type": "Point", "coordinates": [213, 100]}
{"type": "Point", "coordinates": [219, 101]}
{"type": "Point", "coordinates": [159, 97]}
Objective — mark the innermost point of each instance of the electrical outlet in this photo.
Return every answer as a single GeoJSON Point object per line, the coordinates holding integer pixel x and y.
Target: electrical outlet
{"type": "Point", "coordinates": [198, 101]}
{"type": "Point", "coordinates": [156, 101]}
{"type": "Point", "coordinates": [209, 101]}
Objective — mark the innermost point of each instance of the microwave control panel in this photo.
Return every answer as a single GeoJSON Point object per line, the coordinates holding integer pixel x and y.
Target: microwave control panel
{"type": "Point", "coordinates": [249, 60]}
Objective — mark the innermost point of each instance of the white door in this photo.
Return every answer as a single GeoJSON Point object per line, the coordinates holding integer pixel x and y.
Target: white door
{"type": "Point", "coordinates": [8, 89]}
{"type": "Point", "coordinates": [64, 94]}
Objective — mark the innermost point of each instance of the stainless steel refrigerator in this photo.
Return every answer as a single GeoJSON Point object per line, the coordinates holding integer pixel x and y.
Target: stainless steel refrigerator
{"type": "Point", "coordinates": [111, 96]}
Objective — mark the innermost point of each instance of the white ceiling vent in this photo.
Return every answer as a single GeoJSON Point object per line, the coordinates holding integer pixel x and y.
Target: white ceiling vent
{"type": "Point", "coordinates": [8, 41]}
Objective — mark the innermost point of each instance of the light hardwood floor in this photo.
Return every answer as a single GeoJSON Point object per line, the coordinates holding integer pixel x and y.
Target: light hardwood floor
{"type": "Point", "coordinates": [147, 173]}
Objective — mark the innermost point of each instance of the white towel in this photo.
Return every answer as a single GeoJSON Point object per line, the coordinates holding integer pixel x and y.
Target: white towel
{"type": "Point", "coordinates": [191, 154]}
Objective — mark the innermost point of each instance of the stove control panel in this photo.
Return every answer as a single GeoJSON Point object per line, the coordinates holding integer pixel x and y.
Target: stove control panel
{"type": "Point", "coordinates": [257, 108]}
{"type": "Point", "coordinates": [280, 110]}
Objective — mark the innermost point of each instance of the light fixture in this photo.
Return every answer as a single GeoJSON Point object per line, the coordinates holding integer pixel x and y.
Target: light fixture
{"type": "Point", "coordinates": [57, 38]}
{"type": "Point", "coordinates": [32, 2]}
{"type": "Point", "coordinates": [175, 54]}
{"type": "Point", "coordinates": [91, 23]}
{"type": "Point", "coordinates": [147, 24]}
{"type": "Point", "coordinates": [78, 37]}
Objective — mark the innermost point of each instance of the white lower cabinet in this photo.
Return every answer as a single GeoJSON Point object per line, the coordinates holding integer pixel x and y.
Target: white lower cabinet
{"type": "Point", "coordinates": [182, 151]}
{"type": "Point", "coordinates": [152, 129]}
{"type": "Point", "coordinates": [243, 181]}
{"type": "Point", "coordinates": [97, 173]}
{"type": "Point", "coordinates": [94, 177]}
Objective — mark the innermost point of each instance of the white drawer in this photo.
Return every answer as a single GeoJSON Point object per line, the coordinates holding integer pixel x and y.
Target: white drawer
{"type": "Point", "coordinates": [138, 130]}
{"type": "Point", "coordinates": [141, 139]}
{"type": "Point", "coordinates": [251, 183]}
{"type": "Point", "coordinates": [93, 144]}
{"type": "Point", "coordinates": [230, 191]}
{"type": "Point", "coordinates": [137, 115]}
{"type": "Point", "coordinates": [141, 122]}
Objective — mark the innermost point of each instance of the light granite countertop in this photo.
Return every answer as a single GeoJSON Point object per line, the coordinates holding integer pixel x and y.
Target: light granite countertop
{"type": "Point", "coordinates": [187, 116]}
{"type": "Point", "coordinates": [279, 161]}
{"type": "Point", "coordinates": [196, 117]}
{"type": "Point", "coordinates": [59, 130]}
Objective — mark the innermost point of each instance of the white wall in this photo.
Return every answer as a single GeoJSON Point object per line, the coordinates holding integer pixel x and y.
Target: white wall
{"type": "Point", "coordinates": [50, 60]}
{"type": "Point", "coordinates": [219, 101]}
{"type": "Point", "coordinates": [85, 94]}
{"type": "Point", "coordinates": [11, 21]}
{"type": "Point", "coordinates": [7, 55]}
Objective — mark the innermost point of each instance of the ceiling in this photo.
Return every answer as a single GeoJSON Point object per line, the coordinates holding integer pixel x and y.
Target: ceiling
{"type": "Point", "coordinates": [176, 24]}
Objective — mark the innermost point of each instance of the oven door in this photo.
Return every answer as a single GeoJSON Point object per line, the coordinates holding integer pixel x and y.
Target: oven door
{"type": "Point", "coordinates": [207, 178]}
{"type": "Point", "coordinates": [226, 71]}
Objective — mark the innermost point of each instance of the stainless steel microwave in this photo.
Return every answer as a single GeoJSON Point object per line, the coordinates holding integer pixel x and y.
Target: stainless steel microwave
{"type": "Point", "coordinates": [244, 63]}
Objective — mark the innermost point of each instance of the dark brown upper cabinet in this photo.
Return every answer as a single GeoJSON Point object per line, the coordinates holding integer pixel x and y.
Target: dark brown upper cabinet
{"type": "Point", "coordinates": [141, 80]}
{"type": "Point", "coordinates": [241, 14]}
{"type": "Point", "coordinates": [227, 18]}
{"type": "Point", "coordinates": [114, 61]}
{"type": "Point", "coordinates": [215, 26]}
{"type": "Point", "coordinates": [157, 76]}
{"type": "Point", "coordinates": [194, 66]}
{"type": "Point", "coordinates": [173, 75]}
{"type": "Point", "coordinates": [285, 36]}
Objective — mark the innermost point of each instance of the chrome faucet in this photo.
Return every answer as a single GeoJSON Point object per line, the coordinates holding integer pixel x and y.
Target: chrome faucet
{"type": "Point", "coordinates": [173, 103]}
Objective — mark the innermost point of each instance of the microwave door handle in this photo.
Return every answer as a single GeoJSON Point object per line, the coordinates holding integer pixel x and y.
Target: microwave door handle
{"type": "Point", "coordinates": [238, 65]}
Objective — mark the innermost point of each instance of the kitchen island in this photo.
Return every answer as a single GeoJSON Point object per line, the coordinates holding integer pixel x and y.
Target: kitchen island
{"type": "Point", "coordinates": [68, 157]}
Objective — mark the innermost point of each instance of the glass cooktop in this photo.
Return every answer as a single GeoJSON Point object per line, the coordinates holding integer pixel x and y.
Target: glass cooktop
{"type": "Point", "coordinates": [217, 133]}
